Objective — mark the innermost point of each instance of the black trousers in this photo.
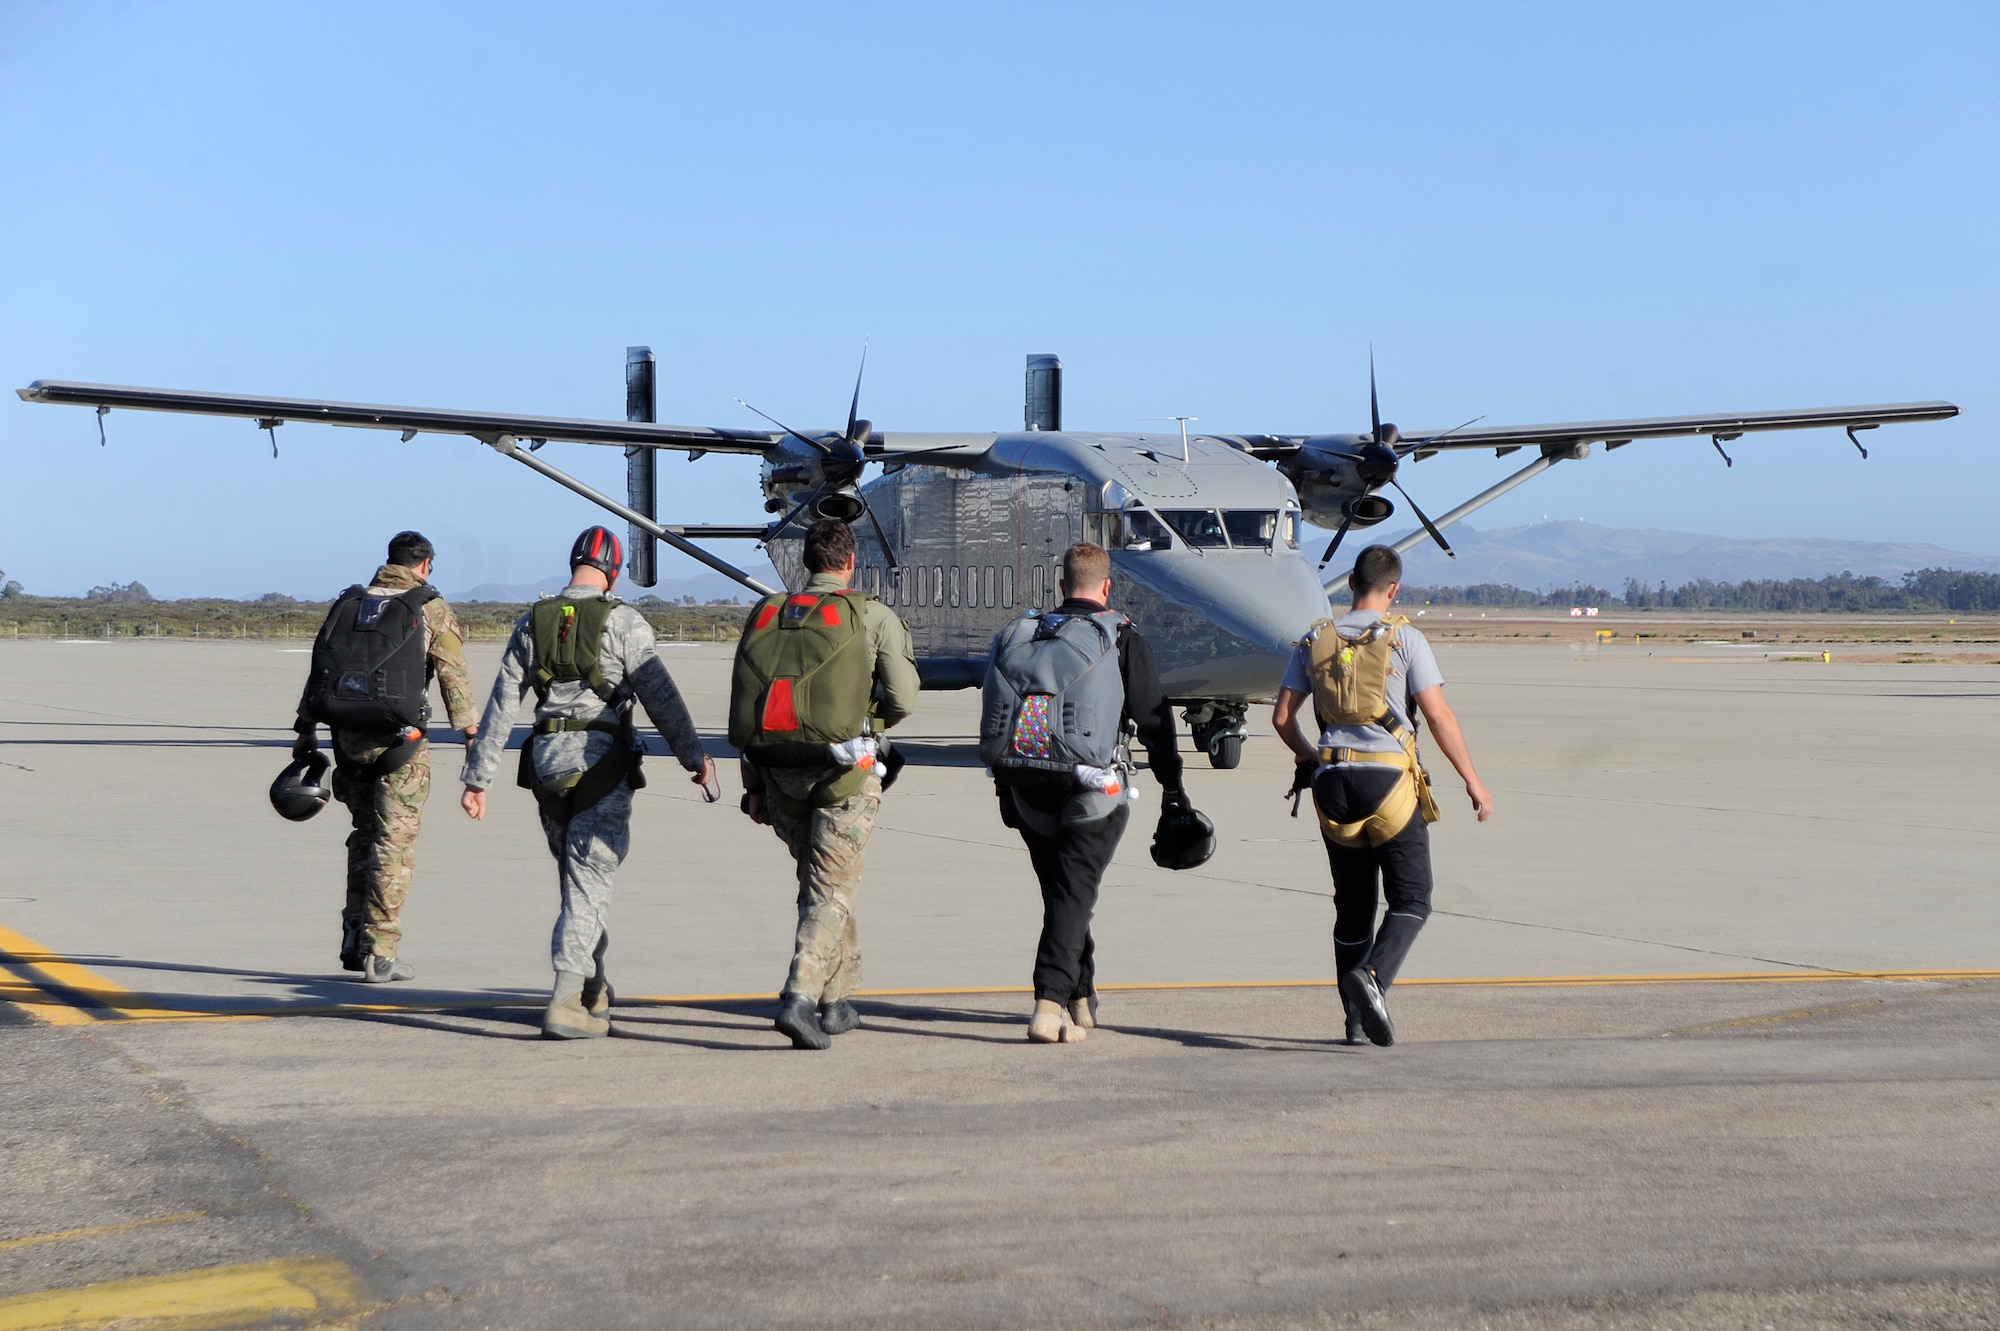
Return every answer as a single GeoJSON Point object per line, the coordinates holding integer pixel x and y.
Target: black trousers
{"type": "Point", "coordinates": [1400, 871]}
{"type": "Point", "coordinates": [1071, 865]}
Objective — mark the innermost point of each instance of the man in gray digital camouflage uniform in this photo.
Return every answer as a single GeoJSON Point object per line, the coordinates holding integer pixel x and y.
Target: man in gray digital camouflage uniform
{"type": "Point", "coordinates": [581, 761]}
{"type": "Point", "coordinates": [827, 839]}
{"type": "Point", "coordinates": [388, 810]}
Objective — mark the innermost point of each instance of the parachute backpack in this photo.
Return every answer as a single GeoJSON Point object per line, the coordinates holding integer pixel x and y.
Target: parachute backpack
{"type": "Point", "coordinates": [1350, 684]}
{"type": "Point", "coordinates": [371, 671]}
{"type": "Point", "coordinates": [568, 641]}
{"type": "Point", "coordinates": [1054, 702]}
{"type": "Point", "coordinates": [804, 671]}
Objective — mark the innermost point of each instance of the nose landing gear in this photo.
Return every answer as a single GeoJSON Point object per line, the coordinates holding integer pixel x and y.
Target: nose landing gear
{"type": "Point", "coordinates": [1218, 727]}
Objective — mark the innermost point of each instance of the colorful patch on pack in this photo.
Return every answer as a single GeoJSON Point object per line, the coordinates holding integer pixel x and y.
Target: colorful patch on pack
{"type": "Point", "coordinates": [780, 712]}
{"type": "Point", "coordinates": [1034, 727]}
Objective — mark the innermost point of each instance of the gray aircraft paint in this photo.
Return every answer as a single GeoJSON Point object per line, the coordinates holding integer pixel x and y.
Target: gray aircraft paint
{"type": "Point", "coordinates": [981, 543]}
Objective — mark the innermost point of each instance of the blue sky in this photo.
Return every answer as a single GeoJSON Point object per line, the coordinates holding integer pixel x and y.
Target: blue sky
{"type": "Point", "coordinates": [1535, 213]}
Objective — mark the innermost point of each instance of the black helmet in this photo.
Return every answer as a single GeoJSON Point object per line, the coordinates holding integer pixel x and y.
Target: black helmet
{"type": "Point", "coordinates": [300, 790]}
{"type": "Point", "coordinates": [1185, 838]}
{"type": "Point", "coordinates": [599, 548]}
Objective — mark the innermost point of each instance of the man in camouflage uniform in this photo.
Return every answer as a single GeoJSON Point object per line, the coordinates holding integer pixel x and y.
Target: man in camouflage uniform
{"type": "Point", "coordinates": [827, 841]}
{"type": "Point", "coordinates": [577, 728]}
{"type": "Point", "coordinates": [388, 810]}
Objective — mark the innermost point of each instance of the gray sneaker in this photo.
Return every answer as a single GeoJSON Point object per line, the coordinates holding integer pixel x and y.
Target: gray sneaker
{"type": "Point", "coordinates": [385, 970]}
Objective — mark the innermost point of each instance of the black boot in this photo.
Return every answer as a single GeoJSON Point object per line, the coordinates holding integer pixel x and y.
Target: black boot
{"type": "Point", "coordinates": [798, 1020]}
{"type": "Point", "coordinates": [838, 1017]}
{"type": "Point", "coordinates": [1364, 1002]}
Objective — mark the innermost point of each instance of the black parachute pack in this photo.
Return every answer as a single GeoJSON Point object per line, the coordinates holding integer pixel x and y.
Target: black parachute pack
{"type": "Point", "coordinates": [371, 671]}
{"type": "Point", "coordinates": [568, 638]}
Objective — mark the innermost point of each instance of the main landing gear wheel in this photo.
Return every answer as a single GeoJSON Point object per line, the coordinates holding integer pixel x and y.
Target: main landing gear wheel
{"type": "Point", "coordinates": [1225, 752]}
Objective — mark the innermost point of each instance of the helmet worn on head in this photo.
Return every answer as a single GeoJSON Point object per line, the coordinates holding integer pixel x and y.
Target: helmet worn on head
{"type": "Point", "coordinates": [1185, 838]}
{"type": "Point", "coordinates": [599, 548]}
{"type": "Point", "coordinates": [301, 790]}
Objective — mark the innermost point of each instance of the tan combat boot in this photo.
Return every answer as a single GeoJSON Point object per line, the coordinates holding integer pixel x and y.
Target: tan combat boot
{"type": "Point", "coordinates": [1083, 1011]}
{"type": "Point", "coordinates": [566, 1018]}
{"type": "Point", "coordinates": [1049, 1022]}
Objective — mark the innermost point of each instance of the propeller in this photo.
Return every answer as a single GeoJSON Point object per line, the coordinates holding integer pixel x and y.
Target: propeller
{"type": "Point", "coordinates": [842, 465]}
{"type": "Point", "coordinates": [1376, 464]}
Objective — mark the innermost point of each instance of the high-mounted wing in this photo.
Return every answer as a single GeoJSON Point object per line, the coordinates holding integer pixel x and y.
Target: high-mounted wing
{"type": "Point", "coordinates": [1722, 426]}
{"type": "Point", "coordinates": [483, 425]}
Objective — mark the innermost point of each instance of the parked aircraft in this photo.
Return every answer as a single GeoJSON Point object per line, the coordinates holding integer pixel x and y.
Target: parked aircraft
{"type": "Point", "coordinates": [962, 531]}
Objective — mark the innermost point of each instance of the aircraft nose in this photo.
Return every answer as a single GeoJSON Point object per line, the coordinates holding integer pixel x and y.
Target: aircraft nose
{"type": "Point", "coordinates": [1221, 624]}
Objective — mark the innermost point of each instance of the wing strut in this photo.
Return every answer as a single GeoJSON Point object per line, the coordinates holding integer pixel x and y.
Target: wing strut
{"type": "Point", "coordinates": [505, 445]}
{"type": "Point", "coordinates": [1472, 505]}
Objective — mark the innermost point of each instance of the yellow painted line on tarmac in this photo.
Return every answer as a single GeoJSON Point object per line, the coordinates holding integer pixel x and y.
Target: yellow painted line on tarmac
{"type": "Point", "coordinates": [51, 980]}
{"type": "Point", "coordinates": [220, 1297]}
{"type": "Point", "coordinates": [49, 986]}
{"type": "Point", "coordinates": [94, 1231]}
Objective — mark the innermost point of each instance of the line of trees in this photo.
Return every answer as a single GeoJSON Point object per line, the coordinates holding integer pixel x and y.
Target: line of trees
{"type": "Point", "coordinates": [1927, 589]}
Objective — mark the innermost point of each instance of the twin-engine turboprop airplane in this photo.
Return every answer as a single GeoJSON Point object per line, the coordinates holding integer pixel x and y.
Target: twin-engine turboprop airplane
{"type": "Point", "coordinates": [963, 531]}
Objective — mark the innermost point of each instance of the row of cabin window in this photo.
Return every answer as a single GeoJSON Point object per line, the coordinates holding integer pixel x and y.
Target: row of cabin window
{"type": "Point", "coordinates": [958, 585]}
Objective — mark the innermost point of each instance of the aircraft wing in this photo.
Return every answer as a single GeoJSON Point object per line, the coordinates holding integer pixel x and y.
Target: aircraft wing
{"type": "Point", "coordinates": [944, 449]}
{"type": "Point", "coordinates": [1722, 425]}
{"type": "Point", "coordinates": [483, 425]}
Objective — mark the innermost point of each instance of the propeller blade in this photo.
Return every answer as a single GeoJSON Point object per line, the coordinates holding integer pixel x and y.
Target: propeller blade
{"type": "Point", "coordinates": [1334, 544]}
{"type": "Point", "coordinates": [811, 495]}
{"type": "Point", "coordinates": [1374, 407]}
{"type": "Point", "coordinates": [888, 551]}
{"type": "Point", "coordinates": [854, 407]}
{"type": "Point", "coordinates": [810, 443]}
{"type": "Point", "coordinates": [1429, 526]}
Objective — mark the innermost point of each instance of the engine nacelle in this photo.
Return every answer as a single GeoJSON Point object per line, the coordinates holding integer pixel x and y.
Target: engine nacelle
{"type": "Point", "coordinates": [1327, 473]}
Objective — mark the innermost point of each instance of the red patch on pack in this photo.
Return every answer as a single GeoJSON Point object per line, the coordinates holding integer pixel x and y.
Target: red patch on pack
{"type": "Point", "coordinates": [831, 613]}
{"type": "Point", "coordinates": [765, 616]}
{"type": "Point", "coordinates": [779, 713]}
{"type": "Point", "coordinates": [803, 599]}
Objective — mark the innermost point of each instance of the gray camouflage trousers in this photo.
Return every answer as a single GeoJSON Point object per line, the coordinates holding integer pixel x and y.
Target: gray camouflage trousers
{"type": "Point", "coordinates": [588, 850]}
{"type": "Point", "coordinates": [828, 844]}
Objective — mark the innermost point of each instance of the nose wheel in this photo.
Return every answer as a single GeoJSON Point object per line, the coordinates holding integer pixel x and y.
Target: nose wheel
{"type": "Point", "coordinates": [1219, 728]}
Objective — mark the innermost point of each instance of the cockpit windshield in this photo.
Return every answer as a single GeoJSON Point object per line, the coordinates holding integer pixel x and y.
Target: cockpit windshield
{"type": "Point", "coordinates": [1250, 528]}
{"type": "Point", "coordinates": [1197, 526]}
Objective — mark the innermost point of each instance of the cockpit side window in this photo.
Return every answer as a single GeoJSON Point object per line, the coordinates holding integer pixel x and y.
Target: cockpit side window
{"type": "Point", "coordinates": [1139, 530]}
{"type": "Point", "coordinates": [1250, 528]}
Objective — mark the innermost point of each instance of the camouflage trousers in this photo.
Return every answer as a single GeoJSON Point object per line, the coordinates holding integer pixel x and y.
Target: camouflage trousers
{"type": "Point", "coordinates": [828, 844]}
{"type": "Point", "coordinates": [381, 850]}
{"type": "Point", "coordinates": [588, 848]}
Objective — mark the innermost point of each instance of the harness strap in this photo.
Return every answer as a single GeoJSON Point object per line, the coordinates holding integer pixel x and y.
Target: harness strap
{"type": "Point", "coordinates": [556, 725]}
{"type": "Point", "coordinates": [1400, 758]}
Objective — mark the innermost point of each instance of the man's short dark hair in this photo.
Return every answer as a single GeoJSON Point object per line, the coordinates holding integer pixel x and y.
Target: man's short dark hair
{"type": "Point", "coordinates": [409, 548]}
{"type": "Point", "coordinates": [829, 545]}
{"type": "Point", "coordinates": [1375, 568]}
{"type": "Point", "coordinates": [1084, 567]}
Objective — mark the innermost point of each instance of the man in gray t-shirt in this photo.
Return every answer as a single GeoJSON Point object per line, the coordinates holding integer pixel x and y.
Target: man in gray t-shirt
{"type": "Point", "coordinates": [1349, 789]}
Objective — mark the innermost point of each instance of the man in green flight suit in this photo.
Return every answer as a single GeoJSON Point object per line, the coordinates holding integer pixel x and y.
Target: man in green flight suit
{"type": "Point", "coordinates": [801, 714]}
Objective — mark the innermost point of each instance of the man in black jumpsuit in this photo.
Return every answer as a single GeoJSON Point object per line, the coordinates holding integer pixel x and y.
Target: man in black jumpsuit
{"type": "Point", "coordinates": [1071, 863]}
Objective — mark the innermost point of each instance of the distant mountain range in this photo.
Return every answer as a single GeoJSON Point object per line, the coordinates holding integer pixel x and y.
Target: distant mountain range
{"type": "Point", "coordinates": [703, 587]}
{"type": "Point", "coordinates": [1546, 555]}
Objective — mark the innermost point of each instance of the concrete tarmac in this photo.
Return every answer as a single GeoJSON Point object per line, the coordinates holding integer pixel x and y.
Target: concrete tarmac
{"type": "Point", "coordinates": [1658, 1147]}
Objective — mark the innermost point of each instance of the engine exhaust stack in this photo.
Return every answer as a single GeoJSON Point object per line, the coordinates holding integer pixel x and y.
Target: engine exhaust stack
{"type": "Point", "coordinates": [1044, 407]}
{"type": "Point", "coordinates": [642, 464]}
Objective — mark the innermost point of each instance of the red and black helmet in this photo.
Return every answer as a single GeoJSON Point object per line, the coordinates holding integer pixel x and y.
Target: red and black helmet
{"type": "Point", "coordinates": [599, 548]}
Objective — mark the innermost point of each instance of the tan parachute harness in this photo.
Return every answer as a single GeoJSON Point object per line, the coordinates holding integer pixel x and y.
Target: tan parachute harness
{"type": "Point", "coordinates": [1350, 684]}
